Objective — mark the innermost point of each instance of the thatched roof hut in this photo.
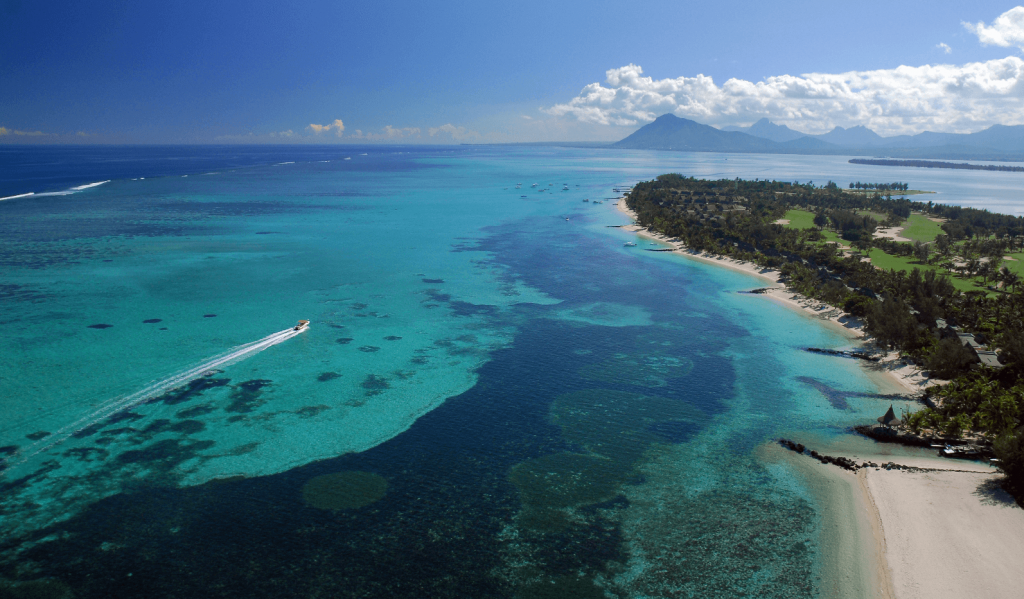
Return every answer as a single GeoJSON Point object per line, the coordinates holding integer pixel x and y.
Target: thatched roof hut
{"type": "Point", "coordinates": [890, 418]}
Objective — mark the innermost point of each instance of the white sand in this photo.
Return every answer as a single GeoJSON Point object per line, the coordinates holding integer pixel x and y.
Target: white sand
{"type": "Point", "coordinates": [850, 536]}
{"type": "Point", "coordinates": [890, 233]}
{"type": "Point", "coordinates": [949, 534]}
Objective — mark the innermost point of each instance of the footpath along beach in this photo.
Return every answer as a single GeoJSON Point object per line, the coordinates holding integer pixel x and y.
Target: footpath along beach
{"type": "Point", "coordinates": [921, 526]}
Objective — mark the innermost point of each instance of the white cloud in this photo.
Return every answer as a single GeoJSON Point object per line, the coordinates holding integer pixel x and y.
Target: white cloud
{"type": "Point", "coordinates": [388, 133]}
{"type": "Point", "coordinates": [944, 47]}
{"type": "Point", "coordinates": [337, 125]}
{"type": "Point", "coordinates": [1006, 30]}
{"type": "Point", "coordinates": [450, 130]}
{"type": "Point", "coordinates": [890, 101]}
{"type": "Point", "coordinates": [6, 131]}
{"type": "Point", "coordinates": [289, 133]}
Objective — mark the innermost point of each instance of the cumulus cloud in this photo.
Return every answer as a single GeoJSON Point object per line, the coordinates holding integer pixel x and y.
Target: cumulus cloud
{"type": "Point", "coordinates": [388, 133]}
{"type": "Point", "coordinates": [890, 101]}
{"type": "Point", "coordinates": [337, 125]}
{"type": "Point", "coordinates": [450, 130]}
{"type": "Point", "coordinates": [944, 47]}
{"type": "Point", "coordinates": [1006, 30]}
{"type": "Point", "coordinates": [289, 133]}
{"type": "Point", "coordinates": [6, 131]}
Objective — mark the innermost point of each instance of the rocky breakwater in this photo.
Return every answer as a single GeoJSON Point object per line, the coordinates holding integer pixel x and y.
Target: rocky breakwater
{"type": "Point", "coordinates": [840, 461]}
{"type": "Point", "coordinates": [843, 353]}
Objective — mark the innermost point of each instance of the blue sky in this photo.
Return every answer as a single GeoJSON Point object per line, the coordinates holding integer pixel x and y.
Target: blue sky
{"type": "Point", "coordinates": [209, 72]}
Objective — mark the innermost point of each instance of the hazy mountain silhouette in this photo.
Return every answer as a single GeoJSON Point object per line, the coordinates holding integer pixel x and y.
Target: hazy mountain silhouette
{"type": "Point", "coordinates": [669, 132]}
{"type": "Point", "coordinates": [768, 130]}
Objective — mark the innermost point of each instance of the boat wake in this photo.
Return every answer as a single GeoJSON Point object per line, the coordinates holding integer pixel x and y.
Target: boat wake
{"type": "Point", "coordinates": [156, 389]}
{"type": "Point", "coordinates": [65, 192]}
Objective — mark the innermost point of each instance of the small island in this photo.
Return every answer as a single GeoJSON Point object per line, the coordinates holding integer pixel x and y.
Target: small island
{"type": "Point", "coordinates": [938, 164]}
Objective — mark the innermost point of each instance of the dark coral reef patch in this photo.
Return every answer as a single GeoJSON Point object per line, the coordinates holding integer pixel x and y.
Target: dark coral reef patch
{"type": "Point", "coordinates": [344, 490]}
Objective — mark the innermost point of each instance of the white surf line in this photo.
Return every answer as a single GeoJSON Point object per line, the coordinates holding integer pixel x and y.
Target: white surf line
{"type": "Point", "coordinates": [122, 404]}
{"type": "Point", "coordinates": [20, 195]}
{"type": "Point", "coordinates": [87, 186]}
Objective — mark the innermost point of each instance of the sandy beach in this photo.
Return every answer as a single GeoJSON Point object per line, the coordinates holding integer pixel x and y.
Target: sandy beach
{"type": "Point", "coordinates": [948, 531]}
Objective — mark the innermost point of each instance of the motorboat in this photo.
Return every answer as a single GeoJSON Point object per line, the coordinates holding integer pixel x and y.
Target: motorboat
{"type": "Point", "coordinates": [629, 244]}
{"type": "Point", "coordinates": [302, 326]}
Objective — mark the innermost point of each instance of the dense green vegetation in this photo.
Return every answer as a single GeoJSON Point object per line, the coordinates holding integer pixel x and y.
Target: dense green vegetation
{"type": "Point", "coordinates": [938, 164]}
{"type": "Point", "coordinates": [954, 271]}
{"type": "Point", "coordinates": [880, 186]}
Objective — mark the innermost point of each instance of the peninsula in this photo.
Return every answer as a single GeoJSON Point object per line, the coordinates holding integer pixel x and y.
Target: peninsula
{"type": "Point", "coordinates": [939, 285]}
{"type": "Point", "coordinates": [940, 300]}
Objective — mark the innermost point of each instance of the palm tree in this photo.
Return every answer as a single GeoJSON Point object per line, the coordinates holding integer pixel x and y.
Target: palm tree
{"type": "Point", "coordinates": [1010, 279]}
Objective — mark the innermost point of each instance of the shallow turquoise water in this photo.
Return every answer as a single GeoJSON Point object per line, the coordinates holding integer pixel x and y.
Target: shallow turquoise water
{"type": "Point", "coordinates": [566, 410]}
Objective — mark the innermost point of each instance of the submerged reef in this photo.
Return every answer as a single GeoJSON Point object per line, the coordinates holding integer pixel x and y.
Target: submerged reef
{"type": "Point", "coordinates": [344, 490]}
{"type": "Point", "coordinates": [35, 589]}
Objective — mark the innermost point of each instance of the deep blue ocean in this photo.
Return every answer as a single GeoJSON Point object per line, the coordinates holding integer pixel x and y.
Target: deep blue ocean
{"type": "Point", "coordinates": [495, 396]}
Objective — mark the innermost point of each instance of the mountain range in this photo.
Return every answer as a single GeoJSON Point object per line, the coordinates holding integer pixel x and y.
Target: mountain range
{"type": "Point", "coordinates": [669, 132]}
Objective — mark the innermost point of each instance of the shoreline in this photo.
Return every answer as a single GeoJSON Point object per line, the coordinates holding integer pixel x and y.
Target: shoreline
{"type": "Point", "coordinates": [899, 375]}
{"type": "Point", "coordinates": [949, 531]}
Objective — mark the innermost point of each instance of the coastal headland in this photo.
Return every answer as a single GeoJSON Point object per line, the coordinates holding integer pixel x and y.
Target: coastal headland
{"type": "Point", "coordinates": [902, 525]}
{"type": "Point", "coordinates": [908, 378]}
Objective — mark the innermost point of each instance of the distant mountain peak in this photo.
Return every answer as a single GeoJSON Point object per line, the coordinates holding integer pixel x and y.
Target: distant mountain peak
{"type": "Point", "coordinates": [670, 132]}
{"type": "Point", "coordinates": [766, 129]}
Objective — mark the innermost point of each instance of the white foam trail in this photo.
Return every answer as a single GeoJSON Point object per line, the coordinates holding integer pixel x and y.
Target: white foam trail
{"type": "Point", "coordinates": [20, 195]}
{"type": "Point", "coordinates": [81, 187]}
{"type": "Point", "coordinates": [156, 389]}
{"type": "Point", "coordinates": [283, 163]}
{"type": "Point", "coordinates": [66, 192]}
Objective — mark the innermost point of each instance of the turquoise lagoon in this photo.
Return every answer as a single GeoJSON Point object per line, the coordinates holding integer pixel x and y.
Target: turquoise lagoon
{"type": "Point", "coordinates": [495, 396]}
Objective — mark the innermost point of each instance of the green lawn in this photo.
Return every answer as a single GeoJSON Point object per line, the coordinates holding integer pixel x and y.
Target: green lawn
{"type": "Point", "coordinates": [905, 263]}
{"type": "Point", "coordinates": [1015, 266]}
{"type": "Point", "coordinates": [799, 219]}
{"type": "Point", "coordinates": [875, 215]}
{"type": "Point", "coordinates": [833, 236]}
{"type": "Point", "coordinates": [803, 219]}
{"type": "Point", "coordinates": [919, 228]}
